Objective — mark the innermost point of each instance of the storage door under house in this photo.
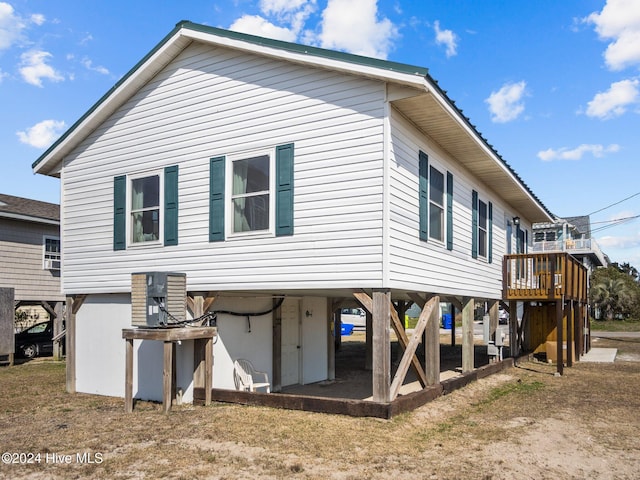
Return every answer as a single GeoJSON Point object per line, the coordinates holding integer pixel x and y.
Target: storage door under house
{"type": "Point", "coordinates": [291, 345]}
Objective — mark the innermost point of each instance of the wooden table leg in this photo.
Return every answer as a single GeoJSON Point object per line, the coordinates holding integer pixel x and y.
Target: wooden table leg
{"type": "Point", "coordinates": [128, 379]}
{"type": "Point", "coordinates": [166, 376]}
{"type": "Point", "coordinates": [208, 370]}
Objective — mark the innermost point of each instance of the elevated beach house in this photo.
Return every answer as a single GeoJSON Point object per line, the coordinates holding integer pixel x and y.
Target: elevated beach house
{"type": "Point", "coordinates": [280, 182]}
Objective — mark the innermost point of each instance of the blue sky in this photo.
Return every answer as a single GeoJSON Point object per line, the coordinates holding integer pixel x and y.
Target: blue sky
{"type": "Point", "coordinates": [553, 85]}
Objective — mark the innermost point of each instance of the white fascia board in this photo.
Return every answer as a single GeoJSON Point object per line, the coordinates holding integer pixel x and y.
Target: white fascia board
{"type": "Point", "coordinates": [415, 80]}
{"type": "Point", "coordinates": [110, 102]}
{"type": "Point", "coordinates": [29, 218]}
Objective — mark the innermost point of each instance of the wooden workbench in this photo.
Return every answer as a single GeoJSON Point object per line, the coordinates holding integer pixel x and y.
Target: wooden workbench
{"type": "Point", "coordinates": [203, 367]}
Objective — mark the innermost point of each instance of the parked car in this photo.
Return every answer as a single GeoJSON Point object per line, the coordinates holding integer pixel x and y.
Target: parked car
{"type": "Point", "coordinates": [36, 340]}
{"type": "Point", "coordinates": [503, 316]}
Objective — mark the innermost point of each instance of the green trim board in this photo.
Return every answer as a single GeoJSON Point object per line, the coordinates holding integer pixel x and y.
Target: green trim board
{"type": "Point", "coordinates": [216, 199]}
{"type": "Point", "coordinates": [449, 211]}
{"type": "Point", "coordinates": [120, 212]}
{"type": "Point", "coordinates": [284, 189]}
{"type": "Point", "coordinates": [423, 194]}
{"type": "Point", "coordinates": [171, 205]}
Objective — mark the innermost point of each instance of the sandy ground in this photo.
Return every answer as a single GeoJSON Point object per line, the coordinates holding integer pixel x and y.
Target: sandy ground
{"type": "Point", "coordinates": [523, 423]}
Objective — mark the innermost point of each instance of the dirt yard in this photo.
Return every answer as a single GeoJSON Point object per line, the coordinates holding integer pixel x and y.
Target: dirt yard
{"type": "Point", "coordinates": [524, 423]}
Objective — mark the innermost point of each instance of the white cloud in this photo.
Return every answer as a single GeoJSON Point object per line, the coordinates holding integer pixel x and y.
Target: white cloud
{"type": "Point", "coordinates": [446, 38]}
{"type": "Point", "coordinates": [256, 25]}
{"type": "Point", "coordinates": [615, 101]}
{"type": "Point", "coordinates": [506, 104]}
{"type": "Point", "coordinates": [88, 64]}
{"type": "Point", "coordinates": [619, 21]}
{"type": "Point", "coordinates": [34, 68]}
{"type": "Point", "coordinates": [622, 242]}
{"type": "Point", "coordinates": [42, 134]}
{"type": "Point", "coordinates": [38, 18]}
{"type": "Point", "coordinates": [278, 7]}
{"type": "Point", "coordinates": [577, 153]}
{"type": "Point", "coordinates": [354, 26]}
{"type": "Point", "coordinates": [11, 26]}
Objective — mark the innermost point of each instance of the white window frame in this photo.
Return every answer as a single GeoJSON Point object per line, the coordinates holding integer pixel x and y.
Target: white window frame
{"type": "Point", "coordinates": [130, 179]}
{"type": "Point", "coordinates": [441, 207]}
{"type": "Point", "coordinates": [229, 210]}
{"type": "Point", "coordinates": [49, 259]}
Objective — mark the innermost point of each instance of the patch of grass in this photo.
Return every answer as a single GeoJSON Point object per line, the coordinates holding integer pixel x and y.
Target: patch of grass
{"type": "Point", "coordinates": [630, 325]}
{"type": "Point", "coordinates": [519, 387]}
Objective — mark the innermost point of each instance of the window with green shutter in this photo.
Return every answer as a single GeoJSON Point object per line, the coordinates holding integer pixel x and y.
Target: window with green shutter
{"type": "Point", "coordinates": [252, 195]}
{"type": "Point", "coordinates": [481, 228]}
{"type": "Point", "coordinates": [145, 209]}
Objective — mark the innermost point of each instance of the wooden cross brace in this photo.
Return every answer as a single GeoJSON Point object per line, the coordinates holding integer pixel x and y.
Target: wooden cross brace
{"type": "Point", "coordinates": [409, 346]}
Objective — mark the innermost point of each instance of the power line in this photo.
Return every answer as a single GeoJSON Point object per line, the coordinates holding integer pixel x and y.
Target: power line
{"type": "Point", "coordinates": [614, 204]}
{"type": "Point", "coordinates": [615, 223]}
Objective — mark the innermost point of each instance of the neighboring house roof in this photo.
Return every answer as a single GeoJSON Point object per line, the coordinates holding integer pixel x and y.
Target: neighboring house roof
{"type": "Point", "coordinates": [419, 98]}
{"type": "Point", "coordinates": [19, 208]}
{"type": "Point", "coordinates": [582, 224]}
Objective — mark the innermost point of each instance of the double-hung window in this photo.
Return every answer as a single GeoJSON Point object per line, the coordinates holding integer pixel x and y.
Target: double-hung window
{"type": "Point", "coordinates": [436, 204]}
{"type": "Point", "coordinates": [435, 197]}
{"type": "Point", "coordinates": [481, 228]}
{"type": "Point", "coordinates": [145, 209]}
{"type": "Point", "coordinates": [51, 253]}
{"type": "Point", "coordinates": [251, 194]}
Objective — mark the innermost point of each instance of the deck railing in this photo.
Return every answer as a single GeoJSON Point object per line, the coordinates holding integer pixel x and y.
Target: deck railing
{"type": "Point", "coordinates": [544, 276]}
{"type": "Point", "coordinates": [588, 245]}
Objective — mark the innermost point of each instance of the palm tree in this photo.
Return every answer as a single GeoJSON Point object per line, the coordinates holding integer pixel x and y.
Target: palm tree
{"type": "Point", "coordinates": [611, 295]}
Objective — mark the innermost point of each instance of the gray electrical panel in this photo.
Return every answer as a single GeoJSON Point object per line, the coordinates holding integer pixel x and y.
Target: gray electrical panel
{"type": "Point", "coordinates": [158, 299]}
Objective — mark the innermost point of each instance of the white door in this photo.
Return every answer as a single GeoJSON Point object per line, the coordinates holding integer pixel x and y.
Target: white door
{"type": "Point", "coordinates": [291, 347]}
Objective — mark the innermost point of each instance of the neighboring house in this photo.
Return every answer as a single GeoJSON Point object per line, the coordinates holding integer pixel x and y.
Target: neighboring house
{"type": "Point", "coordinates": [571, 235]}
{"type": "Point", "coordinates": [30, 256]}
{"type": "Point", "coordinates": [265, 170]}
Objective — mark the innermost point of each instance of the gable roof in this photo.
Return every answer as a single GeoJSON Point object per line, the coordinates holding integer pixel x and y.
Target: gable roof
{"type": "Point", "coordinates": [423, 102]}
{"type": "Point", "coordinates": [19, 208]}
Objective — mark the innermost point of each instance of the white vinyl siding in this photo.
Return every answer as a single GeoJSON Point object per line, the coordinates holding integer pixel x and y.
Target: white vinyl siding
{"type": "Point", "coordinates": [429, 266]}
{"type": "Point", "coordinates": [212, 102]}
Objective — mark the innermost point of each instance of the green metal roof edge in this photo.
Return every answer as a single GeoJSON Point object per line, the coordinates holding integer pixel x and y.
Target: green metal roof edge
{"type": "Point", "coordinates": [309, 50]}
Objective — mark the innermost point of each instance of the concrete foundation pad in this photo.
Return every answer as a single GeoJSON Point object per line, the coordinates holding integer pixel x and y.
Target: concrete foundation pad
{"type": "Point", "coordinates": [600, 355]}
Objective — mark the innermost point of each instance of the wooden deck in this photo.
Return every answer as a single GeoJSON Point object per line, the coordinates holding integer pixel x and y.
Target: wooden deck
{"type": "Point", "coordinates": [544, 277]}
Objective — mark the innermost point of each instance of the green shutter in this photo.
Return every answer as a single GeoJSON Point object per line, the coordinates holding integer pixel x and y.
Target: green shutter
{"type": "Point", "coordinates": [171, 205]}
{"type": "Point", "coordinates": [490, 234]}
{"type": "Point", "coordinates": [423, 194]}
{"type": "Point", "coordinates": [120, 213]}
{"type": "Point", "coordinates": [284, 189]}
{"type": "Point", "coordinates": [474, 224]}
{"type": "Point", "coordinates": [216, 199]}
{"type": "Point", "coordinates": [449, 211]}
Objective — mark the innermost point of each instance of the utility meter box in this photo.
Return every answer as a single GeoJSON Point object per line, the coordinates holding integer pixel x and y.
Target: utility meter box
{"type": "Point", "coordinates": [158, 299]}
